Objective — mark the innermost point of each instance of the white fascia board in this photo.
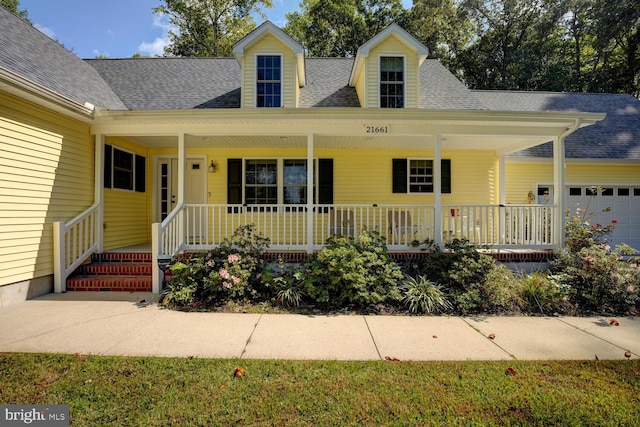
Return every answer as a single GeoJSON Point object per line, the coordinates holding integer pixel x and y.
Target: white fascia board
{"type": "Point", "coordinates": [26, 89]}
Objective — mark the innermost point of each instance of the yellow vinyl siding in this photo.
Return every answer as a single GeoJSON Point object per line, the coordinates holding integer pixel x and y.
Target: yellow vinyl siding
{"type": "Point", "coordinates": [127, 218]}
{"type": "Point", "coordinates": [46, 175]}
{"type": "Point", "coordinates": [365, 176]}
{"type": "Point", "coordinates": [523, 177]}
{"type": "Point", "coordinates": [391, 46]}
{"type": "Point", "coordinates": [269, 45]}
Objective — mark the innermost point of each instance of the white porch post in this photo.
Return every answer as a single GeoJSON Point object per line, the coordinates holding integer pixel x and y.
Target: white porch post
{"type": "Point", "coordinates": [156, 249]}
{"type": "Point", "coordinates": [99, 191]}
{"type": "Point", "coordinates": [502, 171]}
{"type": "Point", "coordinates": [310, 213]}
{"type": "Point", "coordinates": [437, 190]}
{"type": "Point", "coordinates": [182, 163]}
{"type": "Point", "coordinates": [559, 190]}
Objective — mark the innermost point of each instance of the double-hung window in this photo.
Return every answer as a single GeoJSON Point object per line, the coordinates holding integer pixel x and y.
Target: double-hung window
{"type": "Point", "coordinates": [269, 81]}
{"type": "Point", "coordinates": [123, 169]}
{"type": "Point", "coordinates": [391, 82]}
{"type": "Point", "coordinates": [416, 176]}
{"type": "Point", "coordinates": [261, 182]}
{"type": "Point", "coordinates": [420, 176]}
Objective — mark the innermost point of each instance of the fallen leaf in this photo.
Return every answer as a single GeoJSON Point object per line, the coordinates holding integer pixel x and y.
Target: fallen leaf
{"type": "Point", "coordinates": [614, 322]}
{"type": "Point", "coordinates": [627, 353]}
{"type": "Point", "coordinates": [633, 313]}
{"type": "Point", "coordinates": [238, 372]}
{"type": "Point", "coordinates": [190, 357]}
{"type": "Point", "coordinates": [510, 371]}
{"type": "Point", "coordinates": [597, 358]}
{"type": "Point", "coordinates": [77, 355]}
{"type": "Point", "coordinates": [142, 301]}
{"type": "Point", "coordinates": [391, 359]}
{"type": "Point", "coordinates": [492, 336]}
{"type": "Point", "coordinates": [435, 336]}
{"type": "Point", "coordinates": [223, 386]}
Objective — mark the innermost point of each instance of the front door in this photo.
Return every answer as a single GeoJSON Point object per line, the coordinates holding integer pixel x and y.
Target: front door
{"type": "Point", "coordinates": [168, 184]}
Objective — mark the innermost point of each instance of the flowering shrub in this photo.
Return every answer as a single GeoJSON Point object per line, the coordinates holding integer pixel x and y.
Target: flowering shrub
{"type": "Point", "coordinates": [230, 271]}
{"type": "Point", "coordinates": [595, 276]}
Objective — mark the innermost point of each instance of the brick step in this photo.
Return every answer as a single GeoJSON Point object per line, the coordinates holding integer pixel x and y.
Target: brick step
{"type": "Point", "coordinates": [110, 283]}
{"type": "Point", "coordinates": [116, 269]}
{"type": "Point", "coordinates": [136, 257]}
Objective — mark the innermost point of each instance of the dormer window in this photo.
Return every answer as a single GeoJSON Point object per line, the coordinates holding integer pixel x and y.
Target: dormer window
{"type": "Point", "coordinates": [269, 81]}
{"type": "Point", "coordinates": [391, 82]}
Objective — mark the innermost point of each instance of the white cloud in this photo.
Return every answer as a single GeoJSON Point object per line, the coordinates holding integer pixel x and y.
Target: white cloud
{"type": "Point", "coordinates": [156, 47]}
{"type": "Point", "coordinates": [46, 30]}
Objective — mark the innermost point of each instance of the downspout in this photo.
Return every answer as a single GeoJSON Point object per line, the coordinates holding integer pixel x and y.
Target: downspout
{"type": "Point", "coordinates": [559, 199]}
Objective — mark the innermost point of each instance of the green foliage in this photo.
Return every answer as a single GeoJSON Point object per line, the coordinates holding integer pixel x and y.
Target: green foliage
{"type": "Point", "coordinates": [540, 293]}
{"type": "Point", "coordinates": [597, 277]}
{"type": "Point", "coordinates": [208, 27]}
{"type": "Point", "coordinates": [291, 283]}
{"type": "Point", "coordinates": [230, 271]}
{"type": "Point", "coordinates": [421, 295]}
{"type": "Point", "coordinates": [360, 273]}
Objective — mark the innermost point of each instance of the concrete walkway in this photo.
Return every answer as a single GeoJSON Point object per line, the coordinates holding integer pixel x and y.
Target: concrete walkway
{"type": "Point", "coordinates": [120, 324]}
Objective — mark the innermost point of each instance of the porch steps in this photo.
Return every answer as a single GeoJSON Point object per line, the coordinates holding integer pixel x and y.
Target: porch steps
{"type": "Point", "coordinates": [114, 271]}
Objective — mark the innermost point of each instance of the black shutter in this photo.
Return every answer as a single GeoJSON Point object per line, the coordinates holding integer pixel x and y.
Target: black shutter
{"type": "Point", "coordinates": [108, 165]}
{"type": "Point", "coordinates": [140, 178]}
{"type": "Point", "coordinates": [399, 175]}
{"type": "Point", "coordinates": [234, 181]}
{"type": "Point", "coordinates": [445, 174]}
{"type": "Point", "coordinates": [325, 181]}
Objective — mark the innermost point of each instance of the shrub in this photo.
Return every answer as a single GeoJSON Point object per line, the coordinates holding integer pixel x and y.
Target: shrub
{"type": "Point", "coordinates": [421, 295]}
{"type": "Point", "coordinates": [540, 292]}
{"type": "Point", "coordinates": [360, 273]}
{"type": "Point", "coordinates": [595, 276]}
{"type": "Point", "coordinates": [290, 283]}
{"type": "Point", "coordinates": [230, 271]}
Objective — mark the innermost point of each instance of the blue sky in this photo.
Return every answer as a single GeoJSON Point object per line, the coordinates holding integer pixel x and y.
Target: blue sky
{"type": "Point", "coordinates": [116, 28]}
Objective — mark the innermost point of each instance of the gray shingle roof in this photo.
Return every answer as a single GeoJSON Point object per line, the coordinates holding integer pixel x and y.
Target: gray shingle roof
{"type": "Point", "coordinates": [173, 83]}
{"type": "Point", "coordinates": [27, 52]}
{"type": "Point", "coordinates": [616, 137]}
{"type": "Point", "coordinates": [441, 90]}
{"type": "Point", "coordinates": [328, 84]}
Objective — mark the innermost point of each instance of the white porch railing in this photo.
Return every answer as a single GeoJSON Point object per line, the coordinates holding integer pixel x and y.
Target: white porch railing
{"type": "Point", "coordinates": [500, 226]}
{"type": "Point", "coordinates": [73, 243]}
{"type": "Point", "coordinates": [203, 227]}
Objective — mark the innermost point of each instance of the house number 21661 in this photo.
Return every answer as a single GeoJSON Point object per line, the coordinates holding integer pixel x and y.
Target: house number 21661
{"type": "Point", "coordinates": [377, 129]}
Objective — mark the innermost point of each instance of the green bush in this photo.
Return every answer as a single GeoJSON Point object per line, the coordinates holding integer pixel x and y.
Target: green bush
{"type": "Point", "coordinates": [359, 273]}
{"type": "Point", "coordinates": [540, 292]}
{"type": "Point", "coordinates": [421, 295]}
{"type": "Point", "coordinates": [595, 277]}
{"type": "Point", "coordinates": [231, 271]}
{"type": "Point", "coordinates": [289, 283]}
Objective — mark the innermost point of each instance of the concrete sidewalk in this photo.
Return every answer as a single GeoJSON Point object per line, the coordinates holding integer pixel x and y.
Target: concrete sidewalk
{"type": "Point", "coordinates": [119, 324]}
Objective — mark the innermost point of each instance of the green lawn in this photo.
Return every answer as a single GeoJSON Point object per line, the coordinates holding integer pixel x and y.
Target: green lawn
{"type": "Point", "coordinates": [167, 391]}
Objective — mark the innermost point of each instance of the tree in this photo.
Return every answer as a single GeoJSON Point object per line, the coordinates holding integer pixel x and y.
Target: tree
{"type": "Point", "coordinates": [515, 45]}
{"type": "Point", "coordinates": [208, 27]}
{"type": "Point", "coordinates": [440, 26]}
{"type": "Point", "coordinates": [12, 6]}
{"type": "Point", "coordinates": [338, 27]}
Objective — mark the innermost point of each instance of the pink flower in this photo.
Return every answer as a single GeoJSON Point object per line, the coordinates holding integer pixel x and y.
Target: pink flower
{"type": "Point", "coordinates": [227, 285]}
{"type": "Point", "coordinates": [235, 279]}
{"type": "Point", "coordinates": [631, 288]}
{"type": "Point", "coordinates": [223, 273]}
{"type": "Point", "coordinates": [210, 263]}
{"type": "Point", "coordinates": [634, 265]}
{"type": "Point", "coordinates": [233, 258]}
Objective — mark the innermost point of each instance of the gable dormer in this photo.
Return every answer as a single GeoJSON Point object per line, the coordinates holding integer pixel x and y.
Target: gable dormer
{"type": "Point", "coordinates": [272, 67]}
{"type": "Point", "coordinates": [386, 70]}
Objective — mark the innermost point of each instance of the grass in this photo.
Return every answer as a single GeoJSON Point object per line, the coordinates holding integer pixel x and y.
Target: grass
{"type": "Point", "coordinates": [168, 391]}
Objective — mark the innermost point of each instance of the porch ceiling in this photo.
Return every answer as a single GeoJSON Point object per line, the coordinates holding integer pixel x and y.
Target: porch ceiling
{"type": "Point", "coordinates": [502, 132]}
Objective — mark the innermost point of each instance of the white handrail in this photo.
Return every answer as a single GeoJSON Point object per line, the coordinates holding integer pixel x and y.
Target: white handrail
{"type": "Point", "coordinates": [73, 243]}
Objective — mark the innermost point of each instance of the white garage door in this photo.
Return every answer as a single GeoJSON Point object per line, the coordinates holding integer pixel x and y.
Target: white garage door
{"type": "Point", "coordinates": [624, 202]}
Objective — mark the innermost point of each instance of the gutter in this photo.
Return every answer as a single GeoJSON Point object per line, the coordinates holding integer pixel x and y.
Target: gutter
{"type": "Point", "coordinates": [14, 84]}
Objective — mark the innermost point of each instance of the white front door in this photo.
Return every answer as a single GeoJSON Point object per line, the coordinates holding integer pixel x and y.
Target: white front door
{"type": "Point", "coordinates": [168, 184]}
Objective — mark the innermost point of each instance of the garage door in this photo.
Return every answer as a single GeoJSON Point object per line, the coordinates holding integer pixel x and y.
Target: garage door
{"type": "Point", "coordinates": [624, 202]}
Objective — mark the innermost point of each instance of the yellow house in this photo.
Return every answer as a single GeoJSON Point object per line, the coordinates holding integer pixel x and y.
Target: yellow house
{"type": "Point", "coordinates": [173, 154]}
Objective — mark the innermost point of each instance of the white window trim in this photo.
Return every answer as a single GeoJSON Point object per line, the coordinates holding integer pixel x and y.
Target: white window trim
{"type": "Point", "coordinates": [255, 78]}
{"type": "Point", "coordinates": [404, 81]}
{"type": "Point", "coordinates": [409, 159]}
{"type": "Point", "coordinates": [280, 178]}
